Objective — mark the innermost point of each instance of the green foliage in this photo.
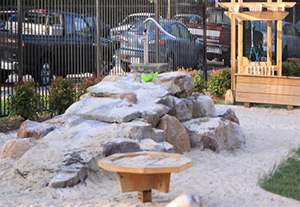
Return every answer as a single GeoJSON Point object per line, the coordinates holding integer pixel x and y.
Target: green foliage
{"type": "Point", "coordinates": [199, 82]}
{"type": "Point", "coordinates": [62, 95]}
{"type": "Point", "coordinates": [25, 101]}
{"type": "Point", "coordinates": [284, 180]}
{"type": "Point", "coordinates": [291, 68]}
{"type": "Point", "coordinates": [219, 82]}
{"type": "Point", "coordinates": [85, 84]}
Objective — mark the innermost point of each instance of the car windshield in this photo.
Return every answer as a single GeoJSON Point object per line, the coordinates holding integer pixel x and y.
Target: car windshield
{"type": "Point", "coordinates": [183, 19]}
{"type": "Point", "coordinates": [133, 19]}
{"type": "Point", "coordinates": [217, 17]}
{"type": "Point", "coordinates": [139, 26]}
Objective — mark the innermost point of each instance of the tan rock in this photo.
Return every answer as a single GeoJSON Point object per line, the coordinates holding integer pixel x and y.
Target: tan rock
{"type": "Point", "coordinates": [15, 148]}
{"type": "Point", "coordinates": [112, 78]}
{"type": "Point", "coordinates": [130, 97]}
{"type": "Point", "coordinates": [176, 134]}
{"type": "Point", "coordinates": [31, 129]}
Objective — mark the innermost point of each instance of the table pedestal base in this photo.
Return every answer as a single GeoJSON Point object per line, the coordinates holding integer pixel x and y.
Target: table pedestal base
{"type": "Point", "coordinates": [144, 183]}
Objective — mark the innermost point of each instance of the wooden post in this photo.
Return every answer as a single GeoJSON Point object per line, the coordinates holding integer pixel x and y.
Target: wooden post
{"type": "Point", "coordinates": [279, 44]}
{"type": "Point", "coordinates": [240, 43]}
{"type": "Point", "coordinates": [145, 196]}
{"type": "Point", "coordinates": [233, 50]}
{"type": "Point", "coordinates": [269, 40]}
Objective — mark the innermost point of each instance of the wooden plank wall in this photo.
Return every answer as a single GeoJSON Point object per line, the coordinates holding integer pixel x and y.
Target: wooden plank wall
{"type": "Point", "coordinates": [268, 89]}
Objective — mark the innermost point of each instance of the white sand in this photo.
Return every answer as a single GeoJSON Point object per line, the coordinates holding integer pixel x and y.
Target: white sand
{"type": "Point", "coordinates": [225, 179]}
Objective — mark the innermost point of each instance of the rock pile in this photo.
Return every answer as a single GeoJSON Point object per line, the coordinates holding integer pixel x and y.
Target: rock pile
{"type": "Point", "coordinates": [121, 114]}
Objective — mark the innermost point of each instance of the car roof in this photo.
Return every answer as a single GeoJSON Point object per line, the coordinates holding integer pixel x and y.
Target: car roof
{"type": "Point", "coordinates": [141, 14]}
{"type": "Point", "coordinates": [186, 15]}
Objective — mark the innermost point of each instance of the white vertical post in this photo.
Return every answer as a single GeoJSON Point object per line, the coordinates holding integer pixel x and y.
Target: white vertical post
{"type": "Point", "coordinates": [146, 47]}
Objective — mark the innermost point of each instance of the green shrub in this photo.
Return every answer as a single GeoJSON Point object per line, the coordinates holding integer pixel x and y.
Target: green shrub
{"type": "Point", "coordinates": [219, 82]}
{"type": "Point", "coordinates": [291, 68]}
{"type": "Point", "coordinates": [25, 101]}
{"type": "Point", "coordinates": [85, 84]}
{"type": "Point", "coordinates": [62, 95]}
{"type": "Point", "coordinates": [199, 82]}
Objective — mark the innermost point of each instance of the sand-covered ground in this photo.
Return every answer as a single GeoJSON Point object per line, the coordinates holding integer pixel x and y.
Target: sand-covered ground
{"type": "Point", "coordinates": [226, 179]}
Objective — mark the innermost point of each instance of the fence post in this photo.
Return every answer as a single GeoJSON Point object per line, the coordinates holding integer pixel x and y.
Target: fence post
{"type": "Point", "coordinates": [20, 40]}
{"type": "Point", "coordinates": [157, 6]}
{"type": "Point", "coordinates": [98, 36]}
{"type": "Point", "coordinates": [204, 41]}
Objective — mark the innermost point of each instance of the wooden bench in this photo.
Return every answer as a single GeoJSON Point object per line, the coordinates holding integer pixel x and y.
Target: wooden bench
{"type": "Point", "coordinates": [144, 171]}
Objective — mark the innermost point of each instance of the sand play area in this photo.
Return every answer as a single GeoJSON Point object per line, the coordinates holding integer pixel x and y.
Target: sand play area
{"type": "Point", "coordinates": [228, 178]}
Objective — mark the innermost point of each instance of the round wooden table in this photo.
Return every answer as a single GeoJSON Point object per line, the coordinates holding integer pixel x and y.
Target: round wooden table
{"type": "Point", "coordinates": [144, 171]}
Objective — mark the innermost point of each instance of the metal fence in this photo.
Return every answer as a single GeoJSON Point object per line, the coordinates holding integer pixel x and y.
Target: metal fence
{"type": "Point", "coordinates": [44, 39]}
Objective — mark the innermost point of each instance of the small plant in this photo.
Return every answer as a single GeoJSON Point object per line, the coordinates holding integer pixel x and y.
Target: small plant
{"type": "Point", "coordinates": [25, 101]}
{"type": "Point", "coordinates": [219, 82]}
{"type": "Point", "coordinates": [199, 83]}
{"type": "Point", "coordinates": [291, 68]}
{"type": "Point", "coordinates": [86, 83]}
{"type": "Point", "coordinates": [62, 95]}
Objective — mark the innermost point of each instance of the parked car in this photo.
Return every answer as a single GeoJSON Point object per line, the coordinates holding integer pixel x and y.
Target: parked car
{"type": "Point", "coordinates": [290, 39]}
{"type": "Point", "coordinates": [218, 33]}
{"type": "Point", "coordinates": [4, 16]}
{"type": "Point", "coordinates": [183, 51]}
{"type": "Point", "coordinates": [127, 23]}
{"type": "Point", "coordinates": [104, 28]}
{"type": "Point", "coordinates": [298, 25]}
{"type": "Point", "coordinates": [65, 43]}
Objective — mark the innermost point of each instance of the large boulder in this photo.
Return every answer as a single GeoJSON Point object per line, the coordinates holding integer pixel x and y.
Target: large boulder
{"type": "Point", "coordinates": [179, 84]}
{"type": "Point", "coordinates": [216, 134]}
{"type": "Point", "coordinates": [182, 109]}
{"type": "Point", "coordinates": [16, 148]}
{"type": "Point", "coordinates": [176, 134]}
{"type": "Point", "coordinates": [187, 200]}
{"type": "Point", "coordinates": [31, 129]}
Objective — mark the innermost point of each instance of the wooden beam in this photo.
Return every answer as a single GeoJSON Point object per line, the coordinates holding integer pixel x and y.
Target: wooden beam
{"type": "Point", "coordinates": [260, 16]}
{"type": "Point", "coordinates": [269, 39]}
{"type": "Point", "coordinates": [257, 4]}
{"type": "Point", "coordinates": [145, 196]}
{"type": "Point", "coordinates": [279, 46]}
{"type": "Point", "coordinates": [233, 51]}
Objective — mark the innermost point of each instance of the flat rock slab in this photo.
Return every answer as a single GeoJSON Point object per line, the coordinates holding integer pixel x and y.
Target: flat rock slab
{"type": "Point", "coordinates": [148, 67]}
{"type": "Point", "coordinates": [105, 109]}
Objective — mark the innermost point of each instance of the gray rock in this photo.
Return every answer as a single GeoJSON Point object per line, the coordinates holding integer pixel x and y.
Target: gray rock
{"type": "Point", "coordinates": [207, 106]}
{"type": "Point", "coordinates": [216, 134]}
{"type": "Point", "coordinates": [230, 115]}
{"type": "Point", "coordinates": [151, 118]}
{"type": "Point", "coordinates": [196, 109]}
{"type": "Point", "coordinates": [121, 147]}
{"type": "Point", "coordinates": [68, 179]}
{"type": "Point", "coordinates": [148, 68]}
{"type": "Point", "coordinates": [182, 109]}
{"type": "Point", "coordinates": [167, 101]}
{"type": "Point", "coordinates": [160, 135]}
{"type": "Point", "coordinates": [179, 84]}
{"type": "Point", "coordinates": [150, 145]}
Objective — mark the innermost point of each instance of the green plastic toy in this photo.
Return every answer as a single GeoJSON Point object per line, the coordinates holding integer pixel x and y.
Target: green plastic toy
{"type": "Point", "coordinates": [149, 78]}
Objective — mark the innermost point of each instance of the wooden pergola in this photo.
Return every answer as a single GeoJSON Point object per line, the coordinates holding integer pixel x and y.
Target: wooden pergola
{"type": "Point", "coordinates": [249, 76]}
